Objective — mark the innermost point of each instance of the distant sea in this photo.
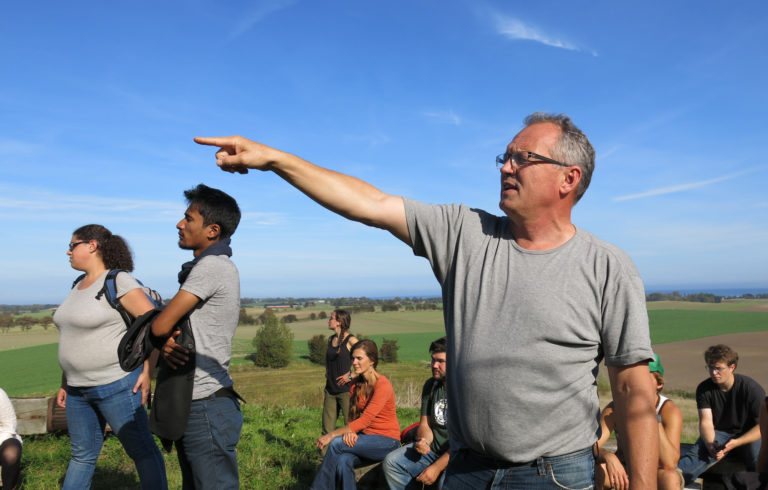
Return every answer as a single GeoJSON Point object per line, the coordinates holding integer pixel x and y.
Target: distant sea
{"type": "Point", "coordinates": [727, 292]}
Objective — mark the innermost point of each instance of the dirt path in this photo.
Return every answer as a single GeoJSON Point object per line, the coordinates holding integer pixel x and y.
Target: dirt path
{"type": "Point", "coordinates": [684, 361]}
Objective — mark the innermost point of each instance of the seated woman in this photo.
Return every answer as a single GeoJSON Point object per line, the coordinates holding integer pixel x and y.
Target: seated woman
{"type": "Point", "coordinates": [10, 444]}
{"type": "Point", "coordinates": [373, 431]}
{"type": "Point", "coordinates": [610, 469]}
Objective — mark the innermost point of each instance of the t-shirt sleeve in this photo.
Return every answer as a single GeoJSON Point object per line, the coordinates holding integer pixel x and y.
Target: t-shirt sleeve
{"type": "Point", "coordinates": [425, 397]}
{"type": "Point", "coordinates": [125, 283]}
{"type": "Point", "coordinates": [200, 280]}
{"type": "Point", "coordinates": [434, 230]}
{"type": "Point", "coordinates": [703, 398]}
{"type": "Point", "coordinates": [625, 334]}
{"type": "Point", "coordinates": [382, 392]}
{"type": "Point", "coordinates": [755, 398]}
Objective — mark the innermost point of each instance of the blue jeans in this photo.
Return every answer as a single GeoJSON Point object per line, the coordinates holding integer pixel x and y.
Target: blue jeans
{"type": "Point", "coordinates": [88, 410]}
{"type": "Point", "coordinates": [208, 449]}
{"type": "Point", "coordinates": [402, 466]}
{"type": "Point", "coordinates": [339, 463]}
{"type": "Point", "coordinates": [470, 470]}
{"type": "Point", "coordinates": [697, 459]}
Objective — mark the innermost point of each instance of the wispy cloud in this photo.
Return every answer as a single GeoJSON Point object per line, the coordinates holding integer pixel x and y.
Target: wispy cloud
{"type": "Point", "coordinates": [681, 187]}
{"type": "Point", "coordinates": [513, 28]}
{"type": "Point", "coordinates": [18, 201]}
{"type": "Point", "coordinates": [263, 219]}
{"type": "Point", "coordinates": [250, 19]}
{"type": "Point", "coordinates": [443, 117]}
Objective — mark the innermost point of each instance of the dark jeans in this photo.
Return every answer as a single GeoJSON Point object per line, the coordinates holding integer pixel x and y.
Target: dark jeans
{"type": "Point", "coordinates": [470, 470]}
{"type": "Point", "coordinates": [697, 459]}
{"type": "Point", "coordinates": [10, 460]}
{"type": "Point", "coordinates": [208, 449]}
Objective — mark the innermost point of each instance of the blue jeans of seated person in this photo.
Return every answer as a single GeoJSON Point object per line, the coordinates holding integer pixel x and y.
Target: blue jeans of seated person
{"type": "Point", "coordinates": [208, 449]}
{"type": "Point", "coordinates": [88, 410]}
{"type": "Point", "coordinates": [338, 466]}
{"type": "Point", "coordinates": [470, 470]}
{"type": "Point", "coordinates": [402, 466]}
{"type": "Point", "coordinates": [697, 459]}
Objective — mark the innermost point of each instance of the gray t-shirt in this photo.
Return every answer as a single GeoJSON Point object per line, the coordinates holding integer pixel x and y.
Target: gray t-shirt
{"type": "Point", "coordinates": [527, 329]}
{"type": "Point", "coordinates": [89, 333]}
{"type": "Point", "coordinates": [216, 282]}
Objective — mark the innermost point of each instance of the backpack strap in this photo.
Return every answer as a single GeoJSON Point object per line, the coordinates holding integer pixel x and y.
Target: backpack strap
{"type": "Point", "coordinates": [79, 278]}
{"type": "Point", "coordinates": [109, 291]}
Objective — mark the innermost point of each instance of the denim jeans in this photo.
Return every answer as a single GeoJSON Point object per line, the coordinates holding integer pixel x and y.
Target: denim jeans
{"type": "Point", "coordinates": [470, 470]}
{"type": "Point", "coordinates": [697, 459]}
{"type": "Point", "coordinates": [208, 449]}
{"type": "Point", "coordinates": [88, 410]}
{"type": "Point", "coordinates": [402, 466]}
{"type": "Point", "coordinates": [338, 466]}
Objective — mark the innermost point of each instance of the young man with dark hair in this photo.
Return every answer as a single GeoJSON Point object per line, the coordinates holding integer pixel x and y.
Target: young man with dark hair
{"type": "Point", "coordinates": [729, 409]}
{"type": "Point", "coordinates": [210, 295]}
{"type": "Point", "coordinates": [422, 462]}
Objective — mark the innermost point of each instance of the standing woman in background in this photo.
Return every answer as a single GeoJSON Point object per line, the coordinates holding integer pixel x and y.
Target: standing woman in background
{"type": "Point", "coordinates": [94, 388]}
{"type": "Point", "coordinates": [10, 444]}
{"type": "Point", "coordinates": [338, 360]}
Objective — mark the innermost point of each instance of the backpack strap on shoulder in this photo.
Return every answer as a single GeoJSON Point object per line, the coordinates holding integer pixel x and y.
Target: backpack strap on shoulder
{"type": "Point", "coordinates": [79, 278]}
{"type": "Point", "coordinates": [110, 289]}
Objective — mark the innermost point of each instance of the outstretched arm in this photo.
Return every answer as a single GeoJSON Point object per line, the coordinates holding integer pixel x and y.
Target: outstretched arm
{"type": "Point", "coordinates": [633, 397]}
{"type": "Point", "coordinates": [345, 195]}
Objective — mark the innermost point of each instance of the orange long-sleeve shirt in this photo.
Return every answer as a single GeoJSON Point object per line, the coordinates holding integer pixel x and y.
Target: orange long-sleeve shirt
{"type": "Point", "coordinates": [378, 416]}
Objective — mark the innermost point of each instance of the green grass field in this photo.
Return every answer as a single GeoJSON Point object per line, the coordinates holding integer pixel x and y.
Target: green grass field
{"type": "Point", "coordinates": [676, 325]}
{"type": "Point", "coordinates": [282, 417]}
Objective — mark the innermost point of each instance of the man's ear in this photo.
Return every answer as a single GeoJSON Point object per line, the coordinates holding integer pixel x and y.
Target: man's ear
{"type": "Point", "coordinates": [571, 179]}
{"type": "Point", "coordinates": [214, 232]}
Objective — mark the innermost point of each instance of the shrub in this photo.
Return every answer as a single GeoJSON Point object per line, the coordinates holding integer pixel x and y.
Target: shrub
{"type": "Point", "coordinates": [262, 319]}
{"type": "Point", "coordinates": [290, 318]}
{"type": "Point", "coordinates": [322, 315]}
{"type": "Point", "coordinates": [317, 347]}
{"type": "Point", "coordinates": [273, 344]}
{"type": "Point", "coordinates": [245, 318]}
{"type": "Point", "coordinates": [390, 307]}
{"type": "Point", "coordinates": [313, 316]}
{"type": "Point", "coordinates": [388, 350]}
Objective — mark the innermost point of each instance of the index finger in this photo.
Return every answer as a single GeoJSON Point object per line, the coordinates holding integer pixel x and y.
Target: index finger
{"type": "Point", "coordinates": [220, 141]}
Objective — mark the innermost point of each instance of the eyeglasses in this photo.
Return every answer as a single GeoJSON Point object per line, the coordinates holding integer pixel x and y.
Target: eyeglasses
{"type": "Point", "coordinates": [523, 158]}
{"type": "Point", "coordinates": [715, 368]}
{"type": "Point", "coordinates": [75, 244]}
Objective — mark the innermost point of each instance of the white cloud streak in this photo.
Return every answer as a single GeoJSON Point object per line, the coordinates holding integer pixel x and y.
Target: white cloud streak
{"type": "Point", "coordinates": [513, 28]}
{"type": "Point", "coordinates": [681, 187]}
{"type": "Point", "coordinates": [250, 19]}
{"type": "Point", "coordinates": [443, 117]}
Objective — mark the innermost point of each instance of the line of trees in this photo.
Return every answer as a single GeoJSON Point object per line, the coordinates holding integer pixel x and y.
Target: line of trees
{"type": "Point", "coordinates": [676, 296]}
{"type": "Point", "coordinates": [24, 322]}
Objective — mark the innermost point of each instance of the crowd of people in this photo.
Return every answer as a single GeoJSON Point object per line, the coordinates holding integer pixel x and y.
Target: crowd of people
{"type": "Point", "coordinates": [532, 305]}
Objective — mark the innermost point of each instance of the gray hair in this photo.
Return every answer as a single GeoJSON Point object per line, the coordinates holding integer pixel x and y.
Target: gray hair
{"type": "Point", "coordinates": [572, 148]}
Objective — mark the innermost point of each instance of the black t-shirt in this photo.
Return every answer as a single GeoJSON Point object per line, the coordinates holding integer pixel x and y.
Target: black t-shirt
{"type": "Point", "coordinates": [733, 411]}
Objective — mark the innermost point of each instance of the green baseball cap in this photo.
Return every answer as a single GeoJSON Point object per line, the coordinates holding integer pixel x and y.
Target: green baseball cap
{"type": "Point", "coordinates": [655, 366]}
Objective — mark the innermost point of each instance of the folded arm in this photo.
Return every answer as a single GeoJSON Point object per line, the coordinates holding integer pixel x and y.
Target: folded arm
{"type": "Point", "coordinates": [343, 194]}
{"type": "Point", "coordinates": [181, 304]}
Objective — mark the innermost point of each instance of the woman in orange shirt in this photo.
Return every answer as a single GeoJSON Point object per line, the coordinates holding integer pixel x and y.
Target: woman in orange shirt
{"type": "Point", "coordinates": [373, 431]}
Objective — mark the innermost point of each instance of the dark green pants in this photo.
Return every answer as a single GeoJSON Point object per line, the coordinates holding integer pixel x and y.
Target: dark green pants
{"type": "Point", "coordinates": [331, 406]}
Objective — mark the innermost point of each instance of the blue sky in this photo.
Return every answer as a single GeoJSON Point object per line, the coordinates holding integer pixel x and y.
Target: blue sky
{"type": "Point", "coordinates": [99, 103]}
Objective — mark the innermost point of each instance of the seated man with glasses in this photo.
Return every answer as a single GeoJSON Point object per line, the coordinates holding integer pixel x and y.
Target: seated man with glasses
{"type": "Point", "coordinates": [729, 410]}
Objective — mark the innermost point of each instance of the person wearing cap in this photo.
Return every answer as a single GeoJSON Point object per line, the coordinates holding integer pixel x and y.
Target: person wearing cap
{"type": "Point", "coordinates": [610, 468]}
